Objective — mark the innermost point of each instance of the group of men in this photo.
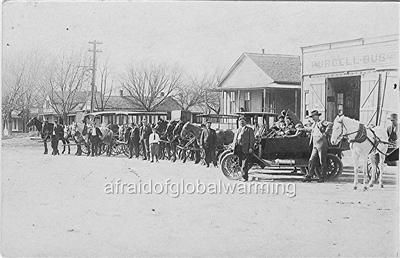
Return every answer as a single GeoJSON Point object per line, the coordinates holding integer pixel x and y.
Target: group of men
{"type": "Point", "coordinates": [146, 136]}
{"type": "Point", "coordinates": [55, 134]}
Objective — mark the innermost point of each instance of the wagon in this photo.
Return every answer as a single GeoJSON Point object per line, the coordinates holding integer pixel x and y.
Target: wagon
{"type": "Point", "coordinates": [282, 153]}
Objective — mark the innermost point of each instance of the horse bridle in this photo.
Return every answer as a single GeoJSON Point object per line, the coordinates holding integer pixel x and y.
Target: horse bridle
{"type": "Point", "coordinates": [347, 134]}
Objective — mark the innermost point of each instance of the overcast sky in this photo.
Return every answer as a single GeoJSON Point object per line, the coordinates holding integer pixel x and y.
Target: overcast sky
{"type": "Point", "coordinates": [197, 36]}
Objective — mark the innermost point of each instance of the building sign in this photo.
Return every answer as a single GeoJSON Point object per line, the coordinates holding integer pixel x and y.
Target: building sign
{"type": "Point", "coordinates": [361, 57]}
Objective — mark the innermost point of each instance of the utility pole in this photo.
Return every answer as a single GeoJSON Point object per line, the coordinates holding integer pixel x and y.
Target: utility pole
{"type": "Point", "coordinates": [93, 90]}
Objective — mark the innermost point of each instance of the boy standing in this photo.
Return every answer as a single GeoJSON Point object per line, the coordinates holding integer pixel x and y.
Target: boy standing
{"type": "Point", "coordinates": [154, 141]}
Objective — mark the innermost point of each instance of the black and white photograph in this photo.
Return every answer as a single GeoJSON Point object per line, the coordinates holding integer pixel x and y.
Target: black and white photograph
{"type": "Point", "coordinates": [199, 129]}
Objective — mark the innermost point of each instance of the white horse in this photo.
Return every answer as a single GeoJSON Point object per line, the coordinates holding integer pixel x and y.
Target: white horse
{"type": "Point", "coordinates": [365, 142]}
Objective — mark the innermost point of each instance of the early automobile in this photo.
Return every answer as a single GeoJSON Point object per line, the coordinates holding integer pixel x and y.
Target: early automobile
{"type": "Point", "coordinates": [281, 152]}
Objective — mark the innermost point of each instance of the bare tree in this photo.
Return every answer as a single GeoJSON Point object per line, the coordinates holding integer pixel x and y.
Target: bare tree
{"type": "Point", "coordinates": [200, 92]}
{"type": "Point", "coordinates": [149, 86]}
{"type": "Point", "coordinates": [212, 96]}
{"type": "Point", "coordinates": [106, 88]}
{"type": "Point", "coordinates": [21, 87]}
{"type": "Point", "coordinates": [66, 82]}
{"type": "Point", "coordinates": [12, 94]}
{"type": "Point", "coordinates": [190, 94]}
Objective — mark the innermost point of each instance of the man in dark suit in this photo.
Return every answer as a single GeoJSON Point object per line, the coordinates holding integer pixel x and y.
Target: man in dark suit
{"type": "Point", "coordinates": [58, 132]}
{"type": "Point", "coordinates": [94, 138]}
{"type": "Point", "coordinates": [145, 131]}
{"type": "Point", "coordinates": [243, 146]}
{"type": "Point", "coordinates": [208, 139]}
{"type": "Point", "coordinates": [134, 141]}
{"type": "Point", "coordinates": [319, 130]}
{"type": "Point", "coordinates": [393, 132]}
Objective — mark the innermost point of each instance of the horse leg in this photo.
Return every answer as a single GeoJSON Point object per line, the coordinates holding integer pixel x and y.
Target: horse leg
{"type": "Point", "coordinates": [173, 152]}
{"type": "Point", "coordinates": [356, 163]}
{"type": "Point", "coordinates": [373, 160]}
{"type": "Point", "coordinates": [78, 148]}
{"type": "Point", "coordinates": [168, 150]}
{"type": "Point", "coordinates": [63, 142]}
{"type": "Point", "coordinates": [69, 147]}
{"type": "Point", "coordinates": [381, 166]}
{"type": "Point", "coordinates": [45, 146]}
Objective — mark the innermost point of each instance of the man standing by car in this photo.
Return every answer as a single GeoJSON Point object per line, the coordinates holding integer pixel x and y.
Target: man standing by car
{"type": "Point", "coordinates": [393, 132]}
{"type": "Point", "coordinates": [208, 139]}
{"type": "Point", "coordinates": [243, 143]}
{"type": "Point", "coordinates": [145, 131]}
{"type": "Point", "coordinates": [319, 130]}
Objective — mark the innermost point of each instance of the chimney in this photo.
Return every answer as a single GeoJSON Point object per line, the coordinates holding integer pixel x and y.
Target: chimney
{"type": "Point", "coordinates": [121, 92]}
{"type": "Point", "coordinates": [263, 51]}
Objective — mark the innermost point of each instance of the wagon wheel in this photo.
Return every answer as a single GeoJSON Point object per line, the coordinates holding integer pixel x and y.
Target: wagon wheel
{"type": "Point", "coordinates": [369, 169]}
{"type": "Point", "coordinates": [230, 166]}
{"type": "Point", "coordinates": [103, 148]}
{"type": "Point", "coordinates": [125, 149]}
{"type": "Point", "coordinates": [85, 148]}
{"type": "Point", "coordinates": [334, 166]}
{"type": "Point", "coordinates": [116, 149]}
{"type": "Point", "coordinates": [223, 154]}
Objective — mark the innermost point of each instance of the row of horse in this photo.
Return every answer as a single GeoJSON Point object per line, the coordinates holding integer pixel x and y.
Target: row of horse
{"type": "Point", "coordinates": [178, 139]}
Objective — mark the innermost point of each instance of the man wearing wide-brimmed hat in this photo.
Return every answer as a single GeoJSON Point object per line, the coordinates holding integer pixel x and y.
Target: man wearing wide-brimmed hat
{"type": "Point", "coordinates": [208, 139]}
{"type": "Point", "coordinates": [243, 143]}
{"type": "Point", "coordinates": [392, 132]}
{"type": "Point", "coordinates": [319, 130]}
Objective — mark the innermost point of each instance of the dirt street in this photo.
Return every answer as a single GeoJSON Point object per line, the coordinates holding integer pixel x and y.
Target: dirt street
{"type": "Point", "coordinates": [57, 206]}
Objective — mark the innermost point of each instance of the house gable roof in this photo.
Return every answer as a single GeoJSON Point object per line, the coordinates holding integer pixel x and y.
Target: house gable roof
{"type": "Point", "coordinates": [285, 69]}
{"type": "Point", "coordinates": [281, 68]}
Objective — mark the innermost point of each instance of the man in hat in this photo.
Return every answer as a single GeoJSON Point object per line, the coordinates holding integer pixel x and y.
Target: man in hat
{"type": "Point", "coordinates": [392, 132]}
{"type": "Point", "coordinates": [393, 129]}
{"type": "Point", "coordinates": [208, 139]}
{"type": "Point", "coordinates": [58, 132]}
{"type": "Point", "coordinates": [319, 130]}
{"type": "Point", "coordinates": [94, 138]}
{"type": "Point", "coordinates": [134, 141]}
{"type": "Point", "coordinates": [243, 143]}
{"type": "Point", "coordinates": [280, 124]}
{"type": "Point", "coordinates": [145, 131]}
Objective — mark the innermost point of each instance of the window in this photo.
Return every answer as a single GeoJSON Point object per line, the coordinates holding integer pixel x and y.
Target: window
{"type": "Point", "coordinates": [232, 102]}
{"type": "Point", "coordinates": [340, 102]}
{"type": "Point", "coordinates": [247, 96]}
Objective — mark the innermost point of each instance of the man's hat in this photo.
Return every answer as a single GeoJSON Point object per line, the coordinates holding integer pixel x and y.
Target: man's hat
{"type": "Point", "coordinates": [315, 113]}
{"type": "Point", "coordinates": [392, 117]}
{"type": "Point", "coordinates": [281, 116]}
{"type": "Point", "coordinates": [299, 125]}
{"type": "Point", "coordinates": [208, 121]}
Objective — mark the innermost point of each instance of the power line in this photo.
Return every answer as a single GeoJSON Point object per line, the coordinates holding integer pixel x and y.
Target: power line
{"type": "Point", "coordinates": [93, 89]}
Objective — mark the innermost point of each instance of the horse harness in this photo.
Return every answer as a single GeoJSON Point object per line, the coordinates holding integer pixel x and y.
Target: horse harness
{"type": "Point", "coordinates": [362, 136]}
